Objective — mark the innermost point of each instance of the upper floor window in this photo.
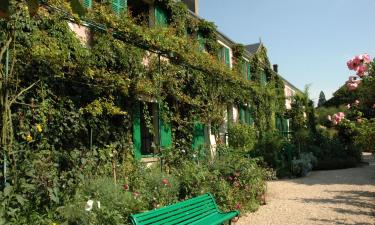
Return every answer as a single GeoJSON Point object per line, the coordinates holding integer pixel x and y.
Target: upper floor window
{"type": "Point", "coordinates": [263, 79]}
{"type": "Point", "coordinates": [224, 55]}
{"type": "Point", "coordinates": [245, 69]}
{"type": "Point", "coordinates": [201, 42]}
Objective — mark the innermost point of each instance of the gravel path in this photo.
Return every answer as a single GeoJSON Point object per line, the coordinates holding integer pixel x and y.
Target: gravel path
{"type": "Point", "coordinates": [343, 197]}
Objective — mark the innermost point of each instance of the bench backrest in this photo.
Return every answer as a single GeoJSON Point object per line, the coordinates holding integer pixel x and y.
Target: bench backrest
{"type": "Point", "coordinates": [180, 213]}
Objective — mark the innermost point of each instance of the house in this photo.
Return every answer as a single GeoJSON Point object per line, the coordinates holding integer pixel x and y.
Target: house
{"type": "Point", "coordinates": [245, 67]}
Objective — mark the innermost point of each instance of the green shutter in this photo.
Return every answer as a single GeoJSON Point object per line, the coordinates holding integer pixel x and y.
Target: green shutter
{"type": "Point", "coordinates": [198, 136]}
{"type": "Point", "coordinates": [263, 79]}
{"type": "Point", "coordinates": [87, 4]}
{"type": "Point", "coordinates": [137, 131]}
{"type": "Point", "coordinates": [118, 6]}
{"type": "Point", "coordinates": [165, 133]}
{"type": "Point", "coordinates": [248, 71]}
{"type": "Point", "coordinates": [242, 114]}
{"type": "Point", "coordinates": [227, 56]}
{"type": "Point", "coordinates": [161, 18]}
{"type": "Point", "coordinates": [244, 68]}
{"type": "Point", "coordinates": [201, 42]}
{"type": "Point", "coordinates": [279, 123]}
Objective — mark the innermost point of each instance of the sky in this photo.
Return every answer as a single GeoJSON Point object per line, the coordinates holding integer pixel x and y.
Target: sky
{"type": "Point", "coordinates": [310, 40]}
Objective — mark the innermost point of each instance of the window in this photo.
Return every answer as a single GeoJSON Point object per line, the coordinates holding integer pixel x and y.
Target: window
{"type": "Point", "coordinates": [245, 68]}
{"type": "Point", "coordinates": [224, 55]}
{"type": "Point", "coordinates": [87, 4]}
{"type": "Point", "coordinates": [150, 132]}
{"type": "Point", "coordinates": [246, 115]}
{"type": "Point", "coordinates": [201, 42]}
{"type": "Point", "coordinates": [161, 17]}
{"type": "Point", "coordinates": [118, 6]}
{"type": "Point", "coordinates": [263, 79]}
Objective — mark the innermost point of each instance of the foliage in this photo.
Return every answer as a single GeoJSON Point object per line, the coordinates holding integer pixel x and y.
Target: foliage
{"type": "Point", "coordinates": [366, 135]}
{"type": "Point", "coordinates": [241, 136]}
{"type": "Point", "coordinates": [304, 164]}
{"type": "Point", "coordinates": [322, 99]}
{"type": "Point", "coordinates": [70, 119]}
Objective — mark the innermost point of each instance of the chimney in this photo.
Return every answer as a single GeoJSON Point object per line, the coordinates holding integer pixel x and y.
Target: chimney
{"type": "Point", "coordinates": [275, 68]}
{"type": "Point", "coordinates": [192, 5]}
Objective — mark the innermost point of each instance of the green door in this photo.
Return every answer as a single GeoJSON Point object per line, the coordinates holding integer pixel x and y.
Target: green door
{"type": "Point", "coordinates": [137, 131]}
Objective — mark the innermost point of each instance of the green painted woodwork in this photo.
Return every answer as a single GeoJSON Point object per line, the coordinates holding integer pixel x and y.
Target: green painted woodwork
{"type": "Point", "coordinates": [202, 42]}
{"type": "Point", "coordinates": [118, 6]}
{"type": "Point", "coordinates": [246, 115]}
{"type": "Point", "coordinates": [198, 136]}
{"type": "Point", "coordinates": [279, 124]}
{"type": "Point", "coordinates": [242, 114]}
{"type": "Point", "coordinates": [201, 210]}
{"type": "Point", "coordinates": [165, 134]}
{"type": "Point", "coordinates": [137, 142]}
{"type": "Point", "coordinates": [248, 71]}
{"type": "Point", "coordinates": [87, 4]}
{"type": "Point", "coordinates": [263, 79]}
{"type": "Point", "coordinates": [161, 17]}
{"type": "Point", "coordinates": [227, 56]}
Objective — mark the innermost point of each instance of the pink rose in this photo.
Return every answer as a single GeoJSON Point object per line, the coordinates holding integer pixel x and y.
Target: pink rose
{"type": "Point", "coordinates": [366, 58]}
{"type": "Point", "coordinates": [351, 86]}
{"type": "Point", "coordinates": [361, 70]}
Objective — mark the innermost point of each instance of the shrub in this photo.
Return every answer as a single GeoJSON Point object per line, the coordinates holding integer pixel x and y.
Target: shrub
{"type": "Point", "coordinates": [111, 203]}
{"type": "Point", "coordinates": [241, 136]}
{"type": "Point", "coordinates": [302, 166]}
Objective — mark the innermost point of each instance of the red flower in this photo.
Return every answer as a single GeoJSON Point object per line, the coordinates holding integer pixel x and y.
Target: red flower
{"type": "Point", "coordinates": [238, 206]}
{"type": "Point", "coordinates": [126, 187]}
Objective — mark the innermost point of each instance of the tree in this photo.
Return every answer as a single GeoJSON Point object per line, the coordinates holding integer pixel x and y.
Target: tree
{"type": "Point", "coordinates": [322, 99]}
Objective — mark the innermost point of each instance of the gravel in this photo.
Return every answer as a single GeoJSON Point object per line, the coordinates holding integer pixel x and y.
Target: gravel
{"type": "Point", "coordinates": [324, 197]}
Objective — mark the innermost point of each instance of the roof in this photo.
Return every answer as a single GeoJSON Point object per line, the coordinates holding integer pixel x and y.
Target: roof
{"type": "Point", "coordinates": [253, 48]}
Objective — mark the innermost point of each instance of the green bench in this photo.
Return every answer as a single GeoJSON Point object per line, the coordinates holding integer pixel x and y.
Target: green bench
{"type": "Point", "coordinates": [199, 210]}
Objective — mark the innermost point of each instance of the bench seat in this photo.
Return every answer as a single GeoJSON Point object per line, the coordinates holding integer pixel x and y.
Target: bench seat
{"type": "Point", "coordinates": [201, 210]}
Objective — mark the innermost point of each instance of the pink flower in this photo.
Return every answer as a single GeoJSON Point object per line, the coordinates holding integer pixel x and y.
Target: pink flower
{"type": "Point", "coordinates": [366, 58]}
{"type": "Point", "coordinates": [165, 181]}
{"type": "Point", "coordinates": [356, 102]}
{"type": "Point", "coordinates": [329, 117]}
{"type": "Point", "coordinates": [136, 194]}
{"type": "Point", "coordinates": [361, 70]}
{"type": "Point", "coordinates": [230, 178]}
{"type": "Point", "coordinates": [126, 187]}
{"type": "Point", "coordinates": [351, 86]}
{"type": "Point", "coordinates": [348, 106]}
{"type": "Point", "coordinates": [341, 115]}
{"type": "Point", "coordinates": [238, 206]}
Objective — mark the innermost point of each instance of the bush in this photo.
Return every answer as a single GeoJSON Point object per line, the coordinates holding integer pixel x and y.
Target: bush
{"type": "Point", "coordinates": [111, 204]}
{"type": "Point", "coordinates": [302, 166]}
{"type": "Point", "coordinates": [241, 136]}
